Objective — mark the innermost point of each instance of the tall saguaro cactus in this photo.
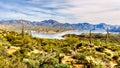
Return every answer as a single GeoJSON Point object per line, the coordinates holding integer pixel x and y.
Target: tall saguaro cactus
{"type": "Point", "coordinates": [107, 36]}
{"type": "Point", "coordinates": [90, 36]}
{"type": "Point", "coordinates": [23, 32]}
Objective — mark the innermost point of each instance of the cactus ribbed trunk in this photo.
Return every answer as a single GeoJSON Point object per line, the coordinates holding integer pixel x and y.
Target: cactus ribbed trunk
{"type": "Point", "coordinates": [22, 29]}
{"type": "Point", "coordinates": [90, 35]}
{"type": "Point", "coordinates": [23, 33]}
{"type": "Point", "coordinates": [107, 36]}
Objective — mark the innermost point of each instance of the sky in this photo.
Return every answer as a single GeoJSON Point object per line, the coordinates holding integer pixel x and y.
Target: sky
{"type": "Point", "coordinates": [64, 11]}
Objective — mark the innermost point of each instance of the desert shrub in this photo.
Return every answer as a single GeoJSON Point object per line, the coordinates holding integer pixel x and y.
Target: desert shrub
{"type": "Point", "coordinates": [72, 41]}
{"type": "Point", "coordinates": [54, 61]}
{"type": "Point", "coordinates": [118, 64]}
{"type": "Point", "coordinates": [100, 49]}
{"type": "Point", "coordinates": [79, 56]}
{"type": "Point", "coordinates": [13, 62]}
{"type": "Point", "coordinates": [10, 38]}
{"type": "Point", "coordinates": [29, 47]}
{"type": "Point", "coordinates": [17, 42]}
{"type": "Point", "coordinates": [22, 52]}
{"type": "Point", "coordinates": [62, 66]}
{"type": "Point", "coordinates": [65, 50]}
{"type": "Point", "coordinates": [107, 53]}
{"type": "Point", "coordinates": [78, 45]}
{"type": "Point", "coordinates": [115, 57]}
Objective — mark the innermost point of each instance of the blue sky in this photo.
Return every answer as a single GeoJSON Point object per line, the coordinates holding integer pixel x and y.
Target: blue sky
{"type": "Point", "coordinates": [70, 11]}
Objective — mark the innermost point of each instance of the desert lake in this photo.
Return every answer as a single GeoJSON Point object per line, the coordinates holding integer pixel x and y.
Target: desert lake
{"type": "Point", "coordinates": [59, 35]}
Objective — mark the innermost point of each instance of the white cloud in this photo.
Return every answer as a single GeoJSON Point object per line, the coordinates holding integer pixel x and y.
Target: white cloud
{"type": "Point", "coordinates": [94, 11]}
{"type": "Point", "coordinates": [73, 11]}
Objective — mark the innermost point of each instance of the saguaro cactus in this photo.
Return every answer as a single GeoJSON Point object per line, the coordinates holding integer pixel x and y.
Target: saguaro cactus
{"type": "Point", "coordinates": [107, 36]}
{"type": "Point", "coordinates": [23, 32]}
{"type": "Point", "coordinates": [90, 36]}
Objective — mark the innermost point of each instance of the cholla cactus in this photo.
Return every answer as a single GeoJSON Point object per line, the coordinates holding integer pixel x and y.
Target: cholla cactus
{"type": "Point", "coordinates": [94, 63]}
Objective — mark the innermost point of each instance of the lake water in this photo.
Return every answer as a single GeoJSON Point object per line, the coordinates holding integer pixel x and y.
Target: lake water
{"type": "Point", "coordinates": [59, 35]}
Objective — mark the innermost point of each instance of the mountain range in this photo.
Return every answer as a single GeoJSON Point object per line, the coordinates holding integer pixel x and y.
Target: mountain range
{"type": "Point", "coordinates": [55, 24]}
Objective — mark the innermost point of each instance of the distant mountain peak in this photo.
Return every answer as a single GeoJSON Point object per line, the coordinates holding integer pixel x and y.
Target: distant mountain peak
{"type": "Point", "coordinates": [50, 21]}
{"type": "Point", "coordinates": [55, 24]}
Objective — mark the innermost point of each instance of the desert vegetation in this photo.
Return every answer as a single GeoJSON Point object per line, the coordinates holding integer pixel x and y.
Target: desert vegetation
{"type": "Point", "coordinates": [20, 50]}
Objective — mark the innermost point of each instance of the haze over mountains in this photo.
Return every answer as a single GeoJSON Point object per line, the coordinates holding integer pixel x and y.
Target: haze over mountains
{"type": "Point", "coordinates": [55, 24]}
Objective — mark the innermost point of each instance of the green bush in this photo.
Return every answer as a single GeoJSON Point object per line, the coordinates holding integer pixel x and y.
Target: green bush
{"type": "Point", "coordinates": [62, 66]}
{"type": "Point", "coordinates": [100, 49]}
